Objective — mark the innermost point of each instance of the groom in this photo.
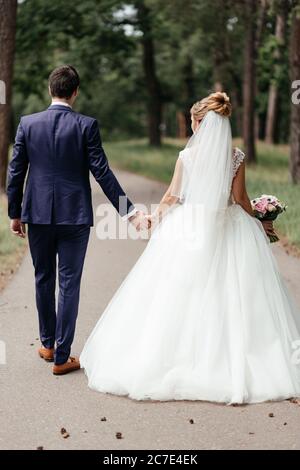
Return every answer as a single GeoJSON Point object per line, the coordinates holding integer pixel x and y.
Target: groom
{"type": "Point", "coordinates": [59, 147]}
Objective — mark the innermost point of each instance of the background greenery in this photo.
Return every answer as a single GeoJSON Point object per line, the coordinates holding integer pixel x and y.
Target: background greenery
{"type": "Point", "coordinates": [196, 45]}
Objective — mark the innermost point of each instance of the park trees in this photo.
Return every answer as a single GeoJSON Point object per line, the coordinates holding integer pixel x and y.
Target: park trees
{"type": "Point", "coordinates": [8, 12]}
{"type": "Point", "coordinates": [295, 111]}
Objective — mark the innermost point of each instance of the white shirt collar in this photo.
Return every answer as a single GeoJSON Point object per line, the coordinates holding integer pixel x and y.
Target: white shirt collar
{"type": "Point", "coordinates": [60, 103]}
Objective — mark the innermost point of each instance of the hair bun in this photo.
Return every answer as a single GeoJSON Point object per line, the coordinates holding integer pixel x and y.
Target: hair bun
{"type": "Point", "coordinates": [220, 103]}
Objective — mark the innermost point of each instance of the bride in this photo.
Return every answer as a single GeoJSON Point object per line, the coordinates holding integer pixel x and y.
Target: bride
{"type": "Point", "coordinates": [204, 314]}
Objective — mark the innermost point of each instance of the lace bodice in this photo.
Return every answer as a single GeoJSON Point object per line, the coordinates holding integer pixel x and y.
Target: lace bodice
{"type": "Point", "coordinates": [237, 158]}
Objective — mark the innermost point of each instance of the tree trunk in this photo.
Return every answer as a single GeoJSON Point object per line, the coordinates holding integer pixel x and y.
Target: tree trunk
{"type": "Point", "coordinates": [295, 110]}
{"type": "Point", "coordinates": [188, 92]}
{"type": "Point", "coordinates": [273, 90]}
{"type": "Point", "coordinates": [221, 49]}
{"type": "Point", "coordinates": [261, 20]}
{"type": "Point", "coordinates": [271, 113]}
{"type": "Point", "coordinates": [249, 82]}
{"type": "Point", "coordinates": [8, 10]}
{"type": "Point", "coordinates": [219, 58]}
{"type": "Point", "coordinates": [154, 102]}
{"type": "Point", "coordinates": [181, 125]}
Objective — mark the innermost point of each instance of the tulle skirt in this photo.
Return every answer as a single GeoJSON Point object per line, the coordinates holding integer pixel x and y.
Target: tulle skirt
{"type": "Point", "coordinates": [199, 318]}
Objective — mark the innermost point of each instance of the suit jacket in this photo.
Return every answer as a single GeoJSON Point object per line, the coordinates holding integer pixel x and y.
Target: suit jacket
{"type": "Point", "coordinates": [59, 147]}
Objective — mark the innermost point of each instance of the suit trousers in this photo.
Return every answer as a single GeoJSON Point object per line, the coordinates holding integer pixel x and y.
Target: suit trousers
{"type": "Point", "coordinates": [62, 246]}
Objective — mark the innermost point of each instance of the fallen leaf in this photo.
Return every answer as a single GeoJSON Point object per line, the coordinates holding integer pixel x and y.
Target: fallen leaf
{"type": "Point", "coordinates": [64, 433]}
{"type": "Point", "coordinates": [251, 433]}
{"type": "Point", "coordinates": [119, 435]}
{"type": "Point", "coordinates": [271, 415]}
{"type": "Point", "coordinates": [191, 421]}
{"type": "Point", "coordinates": [295, 400]}
{"type": "Point", "coordinates": [40, 448]}
{"type": "Point", "coordinates": [284, 424]}
{"type": "Point", "coordinates": [103, 419]}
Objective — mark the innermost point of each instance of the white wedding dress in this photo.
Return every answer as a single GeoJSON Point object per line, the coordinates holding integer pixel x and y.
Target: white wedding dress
{"type": "Point", "coordinates": [204, 314]}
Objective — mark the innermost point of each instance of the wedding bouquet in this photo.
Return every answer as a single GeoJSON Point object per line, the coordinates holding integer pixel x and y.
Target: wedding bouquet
{"type": "Point", "coordinates": [268, 207]}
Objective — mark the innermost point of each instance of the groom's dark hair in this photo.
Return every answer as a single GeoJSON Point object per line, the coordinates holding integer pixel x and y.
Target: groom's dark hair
{"type": "Point", "coordinates": [63, 81]}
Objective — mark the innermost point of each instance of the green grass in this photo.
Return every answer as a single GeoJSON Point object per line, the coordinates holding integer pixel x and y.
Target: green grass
{"type": "Point", "coordinates": [11, 247]}
{"type": "Point", "coordinates": [270, 175]}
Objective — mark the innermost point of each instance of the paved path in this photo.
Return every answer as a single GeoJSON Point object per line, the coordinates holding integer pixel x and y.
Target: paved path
{"type": "Point", "coordinates": [35, 405]}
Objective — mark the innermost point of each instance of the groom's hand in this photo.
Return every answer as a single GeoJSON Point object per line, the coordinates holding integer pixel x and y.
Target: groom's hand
{"type": "Point", "coordinates": [140, 221]}
{"type": "Point", "coordinates": [18, 228]}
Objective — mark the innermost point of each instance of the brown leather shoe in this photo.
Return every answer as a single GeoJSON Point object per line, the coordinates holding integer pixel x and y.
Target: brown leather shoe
{"type": "Point", "coordinates": [69, 366]}
{"type": "Point", "coordinates": [46, 353]}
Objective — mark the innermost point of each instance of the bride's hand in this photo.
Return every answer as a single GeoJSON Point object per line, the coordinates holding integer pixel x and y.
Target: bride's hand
{"type": "Point", "coordinates": [152, 219]}
{"type": "Point", "coordinates": [268, 227]}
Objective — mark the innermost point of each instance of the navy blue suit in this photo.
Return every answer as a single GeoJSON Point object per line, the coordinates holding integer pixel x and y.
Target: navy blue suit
{"type": "Point", "coordinates": [58, 148]}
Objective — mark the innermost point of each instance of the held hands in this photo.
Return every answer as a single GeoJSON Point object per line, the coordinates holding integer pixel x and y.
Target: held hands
{"type": "Point", "coordinates": [152, 219]}
{"type": "Point", "coordinates": [140, 221]}
{"type": "Point", "coordinates": [18, 228]}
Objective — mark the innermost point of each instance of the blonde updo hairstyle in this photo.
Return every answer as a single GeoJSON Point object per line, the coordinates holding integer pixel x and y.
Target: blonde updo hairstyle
{"type": "Point", "coordinates": [218, 102]}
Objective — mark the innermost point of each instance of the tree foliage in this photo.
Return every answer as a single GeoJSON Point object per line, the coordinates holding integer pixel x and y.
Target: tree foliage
{"type": "Point", "coordinates": [198, 46]}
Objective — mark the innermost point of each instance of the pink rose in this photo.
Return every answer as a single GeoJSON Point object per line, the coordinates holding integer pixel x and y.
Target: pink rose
{"type": "Point", "coordinates": [261, 205]}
